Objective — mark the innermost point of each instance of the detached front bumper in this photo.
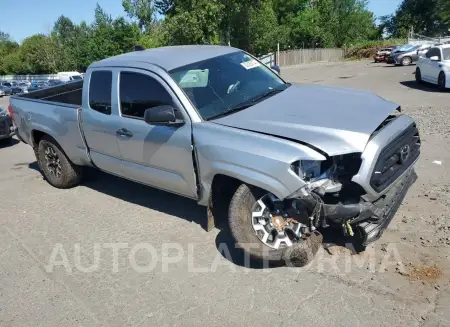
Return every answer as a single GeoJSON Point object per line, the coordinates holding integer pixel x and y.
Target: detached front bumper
{"type": "Point", "coordinates": [385, 175]}
{"type": "Point", "coordinates": [379, 58]}
{"type": "Point", "coordinates": [390, 60]}
{"type": "Point", "coordinates": [385, 209]}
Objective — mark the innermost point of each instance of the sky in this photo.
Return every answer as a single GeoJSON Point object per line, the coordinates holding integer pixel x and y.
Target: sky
{"type": "Point", "coordinates": [38, 16]}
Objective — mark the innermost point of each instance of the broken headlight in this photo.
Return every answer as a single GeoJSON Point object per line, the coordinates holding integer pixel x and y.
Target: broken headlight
{"type": "Point", "coordinates": [309, 170]}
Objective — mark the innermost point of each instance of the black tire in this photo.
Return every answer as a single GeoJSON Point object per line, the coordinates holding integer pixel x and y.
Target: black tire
{"type": "Point", "coordinates": [70, 174]}
{"type": "Point", "coordinates": [239, 215]}
{"type": "Point", "coordinates": [441, 82]}
{"type": "Point", "coordinates": [406, 61]}
{"type": "Point", "coordinates": [418, 76]}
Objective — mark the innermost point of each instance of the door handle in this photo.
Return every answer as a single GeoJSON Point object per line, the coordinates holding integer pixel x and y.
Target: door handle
{"type": "Point", "coordinates": [124, 132]}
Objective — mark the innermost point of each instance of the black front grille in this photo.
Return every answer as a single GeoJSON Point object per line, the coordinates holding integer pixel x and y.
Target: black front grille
{"type": "Point", "coordinates": [395, 158]}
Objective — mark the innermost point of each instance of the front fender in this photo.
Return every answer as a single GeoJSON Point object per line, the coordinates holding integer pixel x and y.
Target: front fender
{"type": "Point", "coordinates": [260, 160]}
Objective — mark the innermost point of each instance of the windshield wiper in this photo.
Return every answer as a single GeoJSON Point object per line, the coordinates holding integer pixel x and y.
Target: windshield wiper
{"type": "Point", "coordinates": [269, 93]}
{"type": "Point", "coordinates": [249, 103]}
{"type": "Point", "coordinates": [230, 111]}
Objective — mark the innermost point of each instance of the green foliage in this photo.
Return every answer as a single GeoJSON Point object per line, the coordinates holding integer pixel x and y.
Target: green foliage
{"type": "Point", "coordinates": [425, 17]}
{"type": "Point", "coordinates": [445, 12]}
{"type": "Point", "coordinates": [253, 25]}
{"type": "Point", "coordinates": [142, 10]}
{"type": "Point", "coordinates": [367, 49]}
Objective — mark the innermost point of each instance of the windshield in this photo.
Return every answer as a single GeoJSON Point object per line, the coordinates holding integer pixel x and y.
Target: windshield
{"type": "Point", "coordinates": [407, 47]}
{"type": "Point", "coordinates": [219, 85]}
{"type": "Point", "coordinates": [7, 84]}
{"type": "Point", "coordinates": [446, 53]}
{"type": "Point", "coordinates": [76, 77]}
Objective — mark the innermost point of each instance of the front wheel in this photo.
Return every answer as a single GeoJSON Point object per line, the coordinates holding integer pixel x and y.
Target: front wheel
{"type": "Point", "coordinates": [267, 233]}
{"type": "Point", "coordinates": [418, 76]}
{"type": "Point", "coordinates": [55, 166]}
{"type": "Point", "coordinates": [441, 81]}
{"type": "Point", "coordinates": [406, 61]}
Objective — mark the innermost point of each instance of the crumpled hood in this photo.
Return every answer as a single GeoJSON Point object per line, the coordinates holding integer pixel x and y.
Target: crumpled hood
{"type": "Point", "coordinates": [334, 120]}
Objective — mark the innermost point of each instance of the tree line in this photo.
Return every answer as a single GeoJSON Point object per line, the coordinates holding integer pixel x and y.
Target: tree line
{"type": "Point", "coordinates": [424, 17]}
{"type": "Point", "coordinates": [256, 26]}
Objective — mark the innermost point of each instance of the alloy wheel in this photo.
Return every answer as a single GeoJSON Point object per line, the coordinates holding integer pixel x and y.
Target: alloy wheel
{"type": "Point", "coordinates": [53, 162]}
{"type": "Point", "coordinates": [274, 228]}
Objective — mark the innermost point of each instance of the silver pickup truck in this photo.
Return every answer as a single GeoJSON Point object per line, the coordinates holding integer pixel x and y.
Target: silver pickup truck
{"type": "Point", "coordinates": [214, 124]}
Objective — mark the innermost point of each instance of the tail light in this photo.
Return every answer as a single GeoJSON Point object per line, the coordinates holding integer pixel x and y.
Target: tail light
{"type": "Point", "coordinates": [11, 112]}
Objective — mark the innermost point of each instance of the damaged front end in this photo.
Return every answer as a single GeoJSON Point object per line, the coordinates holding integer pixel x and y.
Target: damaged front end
{"type": "Point", "coordinates": [360, 193]}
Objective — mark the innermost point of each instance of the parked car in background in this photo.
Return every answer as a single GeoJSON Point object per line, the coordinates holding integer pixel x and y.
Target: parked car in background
{"type": "Point", "coordinates": [23, 86]}
{"type": "Point", "coordinates": [205, 121]}
{"type": "Point", "coordinates": [5, 84]}
{"type": "Point", "coordinates": [423, 49]}
{"type": "Point", "coordinates": [54, 82]}
{"type": "Point", "coordinates": [382, 54]}
{"type": "Point", "coordinates": [6, 126]}
{"type": "Point", "coordinates": [404, 55]}
{"type": "Point", "coordinates": [16, 90]}
{"type": "Point", "coordinates": [4, 91]}
{"type": "Point", "coordinates": [37, 85]}
{"type": "Point", "coordinates": [69, 76]}
{"type": "Point", "coordinates": [408, 54]}
{"type": "Point", "coordinates": [435, 67]}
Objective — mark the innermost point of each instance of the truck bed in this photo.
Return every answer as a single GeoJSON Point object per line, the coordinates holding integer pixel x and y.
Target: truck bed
{"type": "Point", "coordinates": [70, 93]}
{"type": "Point", "coordinates": [52, 111]}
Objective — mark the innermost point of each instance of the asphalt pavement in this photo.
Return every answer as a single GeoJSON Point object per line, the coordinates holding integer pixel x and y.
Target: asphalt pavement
{"type": "Point", "coordinates": [115, 253]}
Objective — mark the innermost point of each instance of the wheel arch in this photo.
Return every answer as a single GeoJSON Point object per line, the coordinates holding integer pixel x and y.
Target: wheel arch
{"type": "Point", "coordinates": [232, 174]}
{"type": "Point", "coordinates": [38, 135]}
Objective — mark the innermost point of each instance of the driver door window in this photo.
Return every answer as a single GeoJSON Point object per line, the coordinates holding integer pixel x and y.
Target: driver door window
{"type": "Point", "coordinates": [432, 70]}
{"type": "Point", "coordinates": [434, 52]}
{"type": "Point", "coordinates": [139, 92]}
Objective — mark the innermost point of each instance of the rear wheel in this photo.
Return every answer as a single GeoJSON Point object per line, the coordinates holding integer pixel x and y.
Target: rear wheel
{"type": "Point", "coordinates": [441, 81]}
{"type": "Point", "coordinates": [55, 166]}
{"type": "Point", "coordinates": [267, 233]}
{"type": "Point", "coordinates": [406, 61]}
{"type": "Point", "coordinates": [418, 76]}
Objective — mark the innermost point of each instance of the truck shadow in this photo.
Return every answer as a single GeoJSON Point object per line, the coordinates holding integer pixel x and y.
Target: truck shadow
{"type": "Point", "coordinates": [8, 143]}
{"type": "Point", "coordinates": [180, 207]}
{"type": "Point", "coordinates": [145, 196]}
{"type": "Point", "coordinates": [421, 87]}
{"type": "Point", "coordinates": [170, 204]}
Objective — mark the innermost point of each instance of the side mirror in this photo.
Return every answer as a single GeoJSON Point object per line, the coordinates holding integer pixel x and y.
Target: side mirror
{"type": "Point", "coordinates": [434, 58]}
{"type": "Point", "coordinates": [276, 69]}
{"type": "Point", "coordinates": [162, 115]}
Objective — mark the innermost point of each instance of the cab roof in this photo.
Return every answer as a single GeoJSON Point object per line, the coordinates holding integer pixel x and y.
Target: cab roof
{"type": "Point", "coordinates": [167, 58]}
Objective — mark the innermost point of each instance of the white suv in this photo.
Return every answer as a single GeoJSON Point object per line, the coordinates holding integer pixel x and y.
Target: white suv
{"type": "Point", "coordinates": [435, 67]}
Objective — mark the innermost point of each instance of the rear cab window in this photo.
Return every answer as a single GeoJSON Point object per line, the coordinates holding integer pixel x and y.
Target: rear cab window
{"type": "Point", "coordinates": [100, 87]}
